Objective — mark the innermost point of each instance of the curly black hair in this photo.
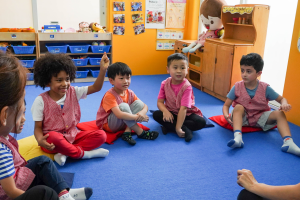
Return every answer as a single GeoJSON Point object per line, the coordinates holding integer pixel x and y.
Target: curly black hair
{"type": "Point", "coordinates": [254, 60]}
{"type": "Point", "coordinates": [50, 65]}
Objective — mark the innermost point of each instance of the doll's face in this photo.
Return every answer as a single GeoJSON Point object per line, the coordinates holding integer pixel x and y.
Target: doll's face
{"type": "Point", "coordinates": [211, 23]}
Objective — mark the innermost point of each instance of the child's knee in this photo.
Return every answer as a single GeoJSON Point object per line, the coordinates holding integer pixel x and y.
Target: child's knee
{"type": "Point", "coordinates": [238, 109]}
{"type": "Point", "coordinates": [124, 107]}
{"type": "Point", "coordinates": [138, 104]}
{"type": "Point", "coordinates": [157, 115]}
{"type": "Point", "coordinates": [200, 122]}
{"type": "Point", "coordinates": [101, 136]}
{"type": "Point", "coordinates": [279, 114]}
{"type": "Point", "coordinates": [53, 137]}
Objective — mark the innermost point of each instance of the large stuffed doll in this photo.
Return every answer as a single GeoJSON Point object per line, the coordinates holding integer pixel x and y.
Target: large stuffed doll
{"type": "Point", "coordinates": [210, 13]}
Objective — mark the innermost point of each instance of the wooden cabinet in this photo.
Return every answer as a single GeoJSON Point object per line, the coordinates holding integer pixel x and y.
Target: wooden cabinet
{"type": "Point", "coordinates": [221, 57]}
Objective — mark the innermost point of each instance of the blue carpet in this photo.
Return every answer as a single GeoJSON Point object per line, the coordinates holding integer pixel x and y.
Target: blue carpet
{"type": "Point", "coordinates": [170, 168]}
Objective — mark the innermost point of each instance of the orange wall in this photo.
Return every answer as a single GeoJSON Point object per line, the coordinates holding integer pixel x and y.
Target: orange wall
{"type": "Point", "coordinates": [139, 51]}
{"type": "Point", "coordinates": [292, 80]}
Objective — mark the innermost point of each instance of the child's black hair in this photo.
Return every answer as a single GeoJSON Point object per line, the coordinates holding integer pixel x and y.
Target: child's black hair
{"type": "Point", "coordinates": [176, 56]}
{"type": "Point", "coordinates": [254, 60]}
{"type": "Point", "coordinates": [50, 65]}
{"type": "Point", "coordinates": [118, 68]}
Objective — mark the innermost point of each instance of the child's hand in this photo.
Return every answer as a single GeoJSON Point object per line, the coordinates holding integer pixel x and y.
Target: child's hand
{"type": "Point", "coordinates": [43, 143]}
{"type": "Point", "coordinates": [285, 107]}
{"type": "Point", "coordinates": [142, 118]}
{"type": "Point", "coordinates": [168, 117]}
{"type": "Point", "coordinates": [104, 63]}
{"type": "Point", "coordinates": [180, 132]}
{"type": "Point", "coordinates": [228, 119]}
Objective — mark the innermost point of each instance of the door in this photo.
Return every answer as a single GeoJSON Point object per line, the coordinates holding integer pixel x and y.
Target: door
{"type": "Point", "coordinates": [209, 60]}
{"type": "Point", "coordinates": [223, 68]}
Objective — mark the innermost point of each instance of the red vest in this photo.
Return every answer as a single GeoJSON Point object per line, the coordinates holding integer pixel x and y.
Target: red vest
{"type": "Point", "coordinates": [254, 107]}
{"type": "Point", "coordinates": [62, 120]}
{"type": "Point", "coordinates": [173, 102]}
{"type": "Point", "coordinates": [102, 115]}
{"type": "Point", "coordinates": [23, 176]}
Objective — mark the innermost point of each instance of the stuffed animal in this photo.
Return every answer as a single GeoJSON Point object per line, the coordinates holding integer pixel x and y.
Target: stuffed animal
{"type": "Point", "coordinates": [84, 27]}
{"type": "Point", "coordinates": [95, 27]}
{"type": "Point", "coordinates": [210, 13]}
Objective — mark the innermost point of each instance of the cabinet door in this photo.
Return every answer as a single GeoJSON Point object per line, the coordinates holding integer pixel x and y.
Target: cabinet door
{"type": "Point", "coordinates": [223, 70]}
{"type": "Point", "coordinates": [208, 70]}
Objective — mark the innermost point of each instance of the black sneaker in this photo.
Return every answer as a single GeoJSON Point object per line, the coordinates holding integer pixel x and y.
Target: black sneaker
{"type": "Point", "coordinates": [164, 130]}
{"type": "Point", "coordinates": [129, 139]}
{"type": "Point", "coordinates": [149, 135]}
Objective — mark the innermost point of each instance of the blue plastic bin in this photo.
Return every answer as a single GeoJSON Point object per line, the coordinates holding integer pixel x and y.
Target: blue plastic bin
{"type": "Point", "coordinates": [100, 49]}
{"type": "Point", "coordinates": [80, 48]}
{"type": "Point", "coordinates": [95, 61]}
{"type": "Point", "coordinates": [57, 48]}
{"type": "Point", "coordinates": [81, 74]}
{"type": "Point", "coordinates": [23, 49]}
{"type": "Point", "coordinates": [80, 62]}
{"type": "Point", "coordinates": [29, 76]}
{"type": "Point", "coordinates": [3, 49]}
{"type": "Point", "coordinates": [27, 63]}
{"type": "Point", "coordinates": [95, 73]}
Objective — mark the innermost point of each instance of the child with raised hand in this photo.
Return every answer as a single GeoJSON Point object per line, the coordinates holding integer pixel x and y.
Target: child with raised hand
{"type": "Point", "coordinates": [20, 180]}
{"type": "Point", "coordinates": [176, 101]}
{"type": "Point", "coordinates": [57, 112]}
{"type": "Point", "coordinates": [120, 108]}
{"type": "Point", "coordinates": [250, 98]}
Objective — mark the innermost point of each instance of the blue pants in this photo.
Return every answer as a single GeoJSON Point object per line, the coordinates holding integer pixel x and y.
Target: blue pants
{"type": "Point", "coordinates": [46, 174]}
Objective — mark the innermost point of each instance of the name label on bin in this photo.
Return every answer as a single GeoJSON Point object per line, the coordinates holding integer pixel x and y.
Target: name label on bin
{"type": "Point", "coordinates": [95, 35]}
{"type": "Point", "coordinates": [51, 36]}
{"type": "Point", "coordinates": [13, 36]}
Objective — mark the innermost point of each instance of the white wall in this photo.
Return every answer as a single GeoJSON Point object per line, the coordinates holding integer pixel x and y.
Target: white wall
{"type": "Point", "coordinates": [278, 42]}
{"type": "Point", "coordinates": [69, 13]}
{"type": "Point", "coordinates": [15, 14]}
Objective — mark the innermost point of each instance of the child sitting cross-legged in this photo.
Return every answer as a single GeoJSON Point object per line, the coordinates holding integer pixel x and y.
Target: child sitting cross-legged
{"type": "Point", "coordinates": [120, 108]}
{"type": "Point", "coordinates": [176, 101]}
{"type": "Point", "coordinates": [57, 112]}
{"type": "Point", "coordinates": [250, 98]}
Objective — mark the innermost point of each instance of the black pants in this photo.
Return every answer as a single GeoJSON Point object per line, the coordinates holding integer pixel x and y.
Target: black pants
{"type": "Point", "coordinates": [191, 123]}
{"type": "Point", "coordinates": [40, 192]}
{"type": "Point", "coordinates": [46, 174]}
{"type": "Point", "coordinates": [246, 195]}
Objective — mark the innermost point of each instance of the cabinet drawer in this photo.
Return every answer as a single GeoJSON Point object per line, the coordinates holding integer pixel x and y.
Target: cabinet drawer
{"type": "Point", "coordinates": [196, 61]}
{"type": "Point", "coordinates": [194, 77]}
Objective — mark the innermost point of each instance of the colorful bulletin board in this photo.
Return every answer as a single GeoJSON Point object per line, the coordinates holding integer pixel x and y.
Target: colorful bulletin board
{"type": "Point", "coordinates": [166, 38]}
{"type": "Point", "coordinates": [175, 16]}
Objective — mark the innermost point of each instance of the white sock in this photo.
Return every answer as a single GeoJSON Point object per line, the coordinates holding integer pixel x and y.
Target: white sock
{"type": "Point", "coordinates": [81, 193]}
{"type": "Point", "coordinates": [290, 147]}
{"type": "Point", "coordinates": [66, 197]}
{"type": "Point", "coordinates": [95, 153]}
{"type": "Point", "coordinates": [237, 141]}
{"type": "Point", "coordinates": [60, 159]}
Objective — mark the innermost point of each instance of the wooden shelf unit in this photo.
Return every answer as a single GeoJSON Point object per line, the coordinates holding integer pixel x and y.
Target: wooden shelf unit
{"type": "Point", "coordinates": [221, 57]}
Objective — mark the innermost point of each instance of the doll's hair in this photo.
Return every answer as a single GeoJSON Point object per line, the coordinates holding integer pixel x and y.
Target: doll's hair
{"type": "Point", "coordinates": [51, 65]}
{"type": "Point", "coordinates": [12, 82]}
{"type": "Point", "coordinates": [212, 8]}
{"type": "Point", "coordinates": [118, 68]}
{"type": "Point", "coordinates": [176, 56]}
{"type": "Point", "coordinates": [254, 60]}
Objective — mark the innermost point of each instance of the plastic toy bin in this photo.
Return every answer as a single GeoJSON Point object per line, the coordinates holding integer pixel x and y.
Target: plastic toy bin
{"type": "Point", "coordinates": [95, 61]}
{"type": "Point", "coordinates": [100, 49]}
{"type": "Point", "coordinates": [27, 63]}
{"type": "Point", "coordinates": [81, 74]}
{"type": "Point", "coordinates": [79, 48]}
{"type": "Point", "coordinates": [95, 73]}
{"type": "Point", "coordinates": [3, 49]}
{"type": "Point", "coordinates": [57, 48]}
{"type": "Point", "coordinates": [29, 76]}
{"type": "Point", "coordinates": [23, 49]}
{"type": "Point", "coordinates": [80, 62]}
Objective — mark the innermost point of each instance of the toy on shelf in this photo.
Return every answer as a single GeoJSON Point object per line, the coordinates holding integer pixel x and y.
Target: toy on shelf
{"type": "Point", "coordinates": [98, 43]}
{"type": "Point", "coordinates": [210, 13]}
{"type": "Point", "coordinates": [95, 27]}
{"type": "Point", "coordinates": [84, 27]}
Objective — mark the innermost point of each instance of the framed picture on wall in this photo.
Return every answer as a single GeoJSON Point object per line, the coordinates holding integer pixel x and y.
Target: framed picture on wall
{"type": "Point", "coordinates": [136, 6]}
{"type": "Point", "coordinates": [119, 6]}
{"type": "Point", "coordinates": [139, 29]}
{"type": "Point", "coordinates": [137, 18]}
{"type": "Point", "coordinates": [119, 18]}
{"type": "Point", "coordinates": [119, 30]}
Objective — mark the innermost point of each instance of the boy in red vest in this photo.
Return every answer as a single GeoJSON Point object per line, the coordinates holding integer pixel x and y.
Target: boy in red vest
{"type": "Point", "coordinates": [120, 108]}
{"type": "Point", "coordinates": [176, 101]}
{"type": "Point", "coordinates": [250, 98]}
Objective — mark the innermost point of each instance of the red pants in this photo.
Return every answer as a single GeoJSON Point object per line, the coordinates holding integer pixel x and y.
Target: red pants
{"type": "Point", "coordinates": [84, 141]}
